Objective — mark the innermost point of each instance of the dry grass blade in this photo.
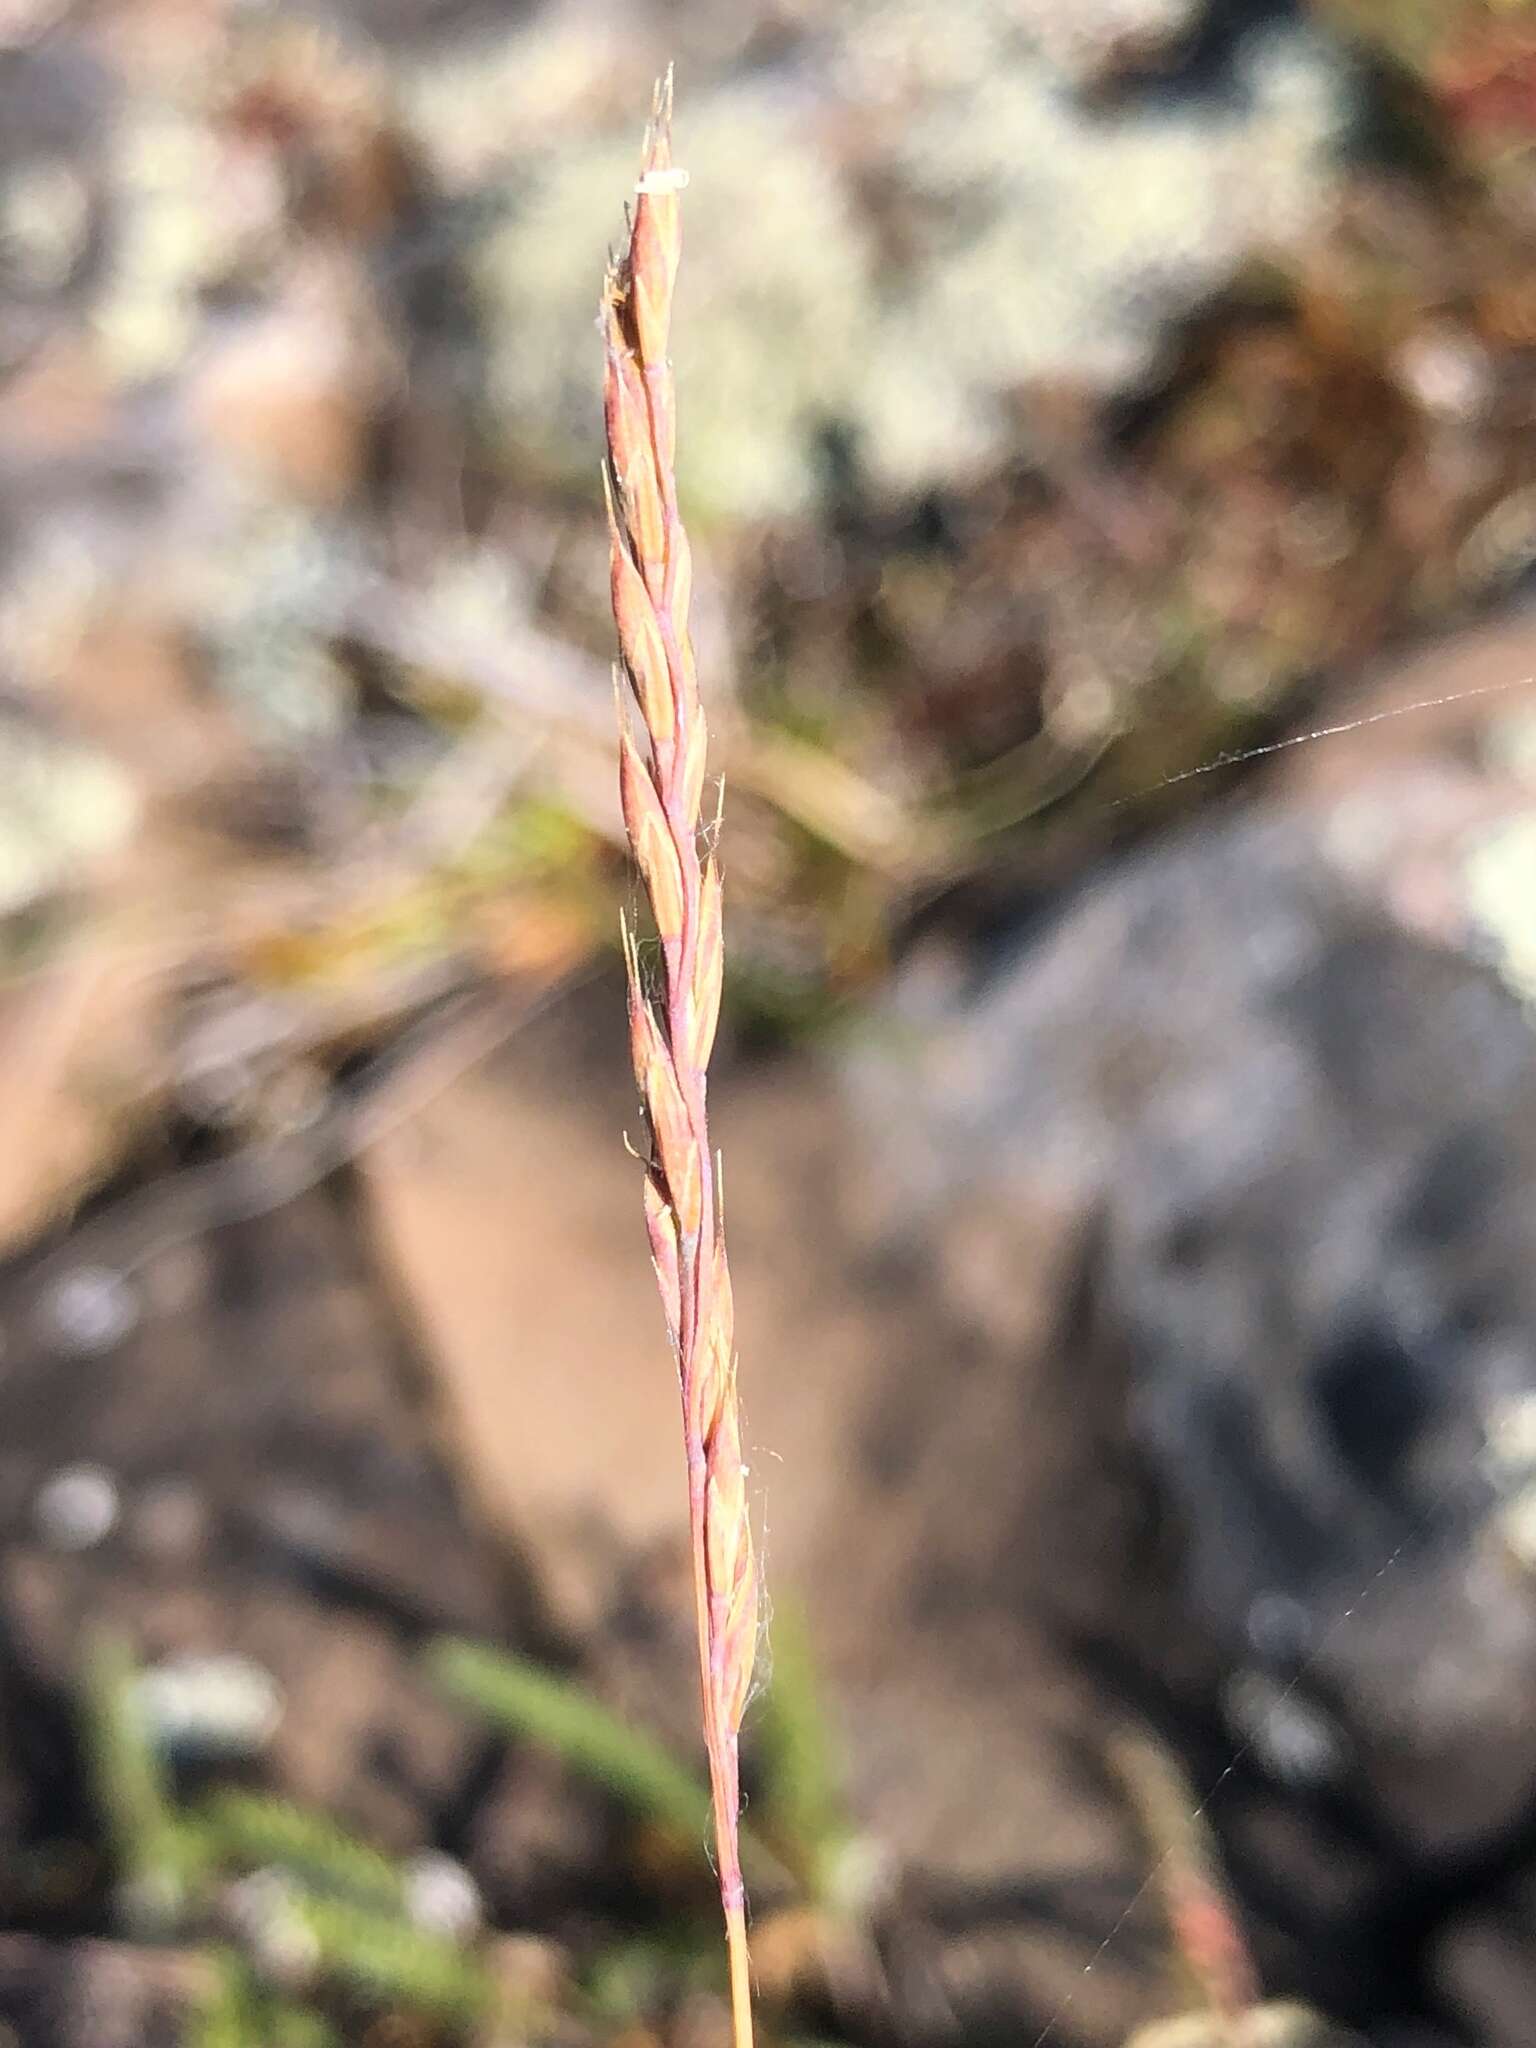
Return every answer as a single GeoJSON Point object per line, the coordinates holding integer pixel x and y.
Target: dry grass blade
{"type": "Point", "coordinates": [1208, 1941]}
{"type": "Point", "coordinates": [671, 1033]}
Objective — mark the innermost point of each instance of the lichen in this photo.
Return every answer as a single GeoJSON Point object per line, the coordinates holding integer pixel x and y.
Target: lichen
{"type": "Point", "coordinates": [65, 806]}
{"type": "Point", "coordinates": [1035, 241]}
{"type": "Point", "coordinates": [1501, 887]}
{"type": "Point", "coordinates": [773, 325]}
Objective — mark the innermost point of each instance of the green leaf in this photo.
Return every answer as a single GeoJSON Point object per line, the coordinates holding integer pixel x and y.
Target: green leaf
{"type": "Point", "coordinates": [255, 1830]}
{"type": "Point", "coordinates": [799, 1802]}
{"type": "Point", "coordinates": [537, 1705]}
{"type": "Point", "coordinates": [159, 1860]}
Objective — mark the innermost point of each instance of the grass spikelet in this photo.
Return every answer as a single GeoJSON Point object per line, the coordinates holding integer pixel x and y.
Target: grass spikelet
{"type": "Point", "coordinates": [672, 1031]}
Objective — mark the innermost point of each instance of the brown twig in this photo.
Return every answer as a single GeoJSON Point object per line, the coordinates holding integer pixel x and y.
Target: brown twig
{"type": "Point", "coordinates": [672, 1033]}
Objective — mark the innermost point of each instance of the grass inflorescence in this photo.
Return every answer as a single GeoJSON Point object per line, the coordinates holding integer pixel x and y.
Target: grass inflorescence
{"type": "Point", "coordinates": [662, 782]}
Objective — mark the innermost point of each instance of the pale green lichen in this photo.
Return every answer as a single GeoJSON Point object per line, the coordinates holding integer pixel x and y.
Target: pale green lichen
{"type": "Point", "coordinates": [65, 807]}
{"type": "Point", "coordinates": [1089, 33]}
{"type": "Point", "coordinates": [52, 583]}
{"type": "Point", "coordinates": [1037, 243]}
{"type": "Point", "coordinates": [482, 106]}
{"type": "Point", "coordinates": [1500, 881]}
{"type": "Point", "coordinates": [45, 210]}
{"type": "Point", "coordinates": [772, 323]}
{"type": "Point", "coordinates": [1063, 247]}
{"type": "Point", "coordinates": [166, 245]}
{"type": "Point", "coordinates": [262, 593]}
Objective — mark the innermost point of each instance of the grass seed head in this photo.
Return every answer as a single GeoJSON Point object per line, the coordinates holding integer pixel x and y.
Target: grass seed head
{"type": "Point", "coordinates": [672, 1033]}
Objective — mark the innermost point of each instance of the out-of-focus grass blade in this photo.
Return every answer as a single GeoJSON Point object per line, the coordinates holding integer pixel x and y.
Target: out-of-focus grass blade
{"type": "Point", "coordinates": [528, 1701]}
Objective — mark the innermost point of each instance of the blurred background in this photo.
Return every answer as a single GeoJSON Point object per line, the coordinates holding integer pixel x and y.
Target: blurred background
{"type": "Point", "coordinates": [1108, 437]}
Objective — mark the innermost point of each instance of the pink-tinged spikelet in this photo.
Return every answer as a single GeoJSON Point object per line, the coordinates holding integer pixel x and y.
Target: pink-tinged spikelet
{"type": "Point", "coordinates": [661, 784]}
